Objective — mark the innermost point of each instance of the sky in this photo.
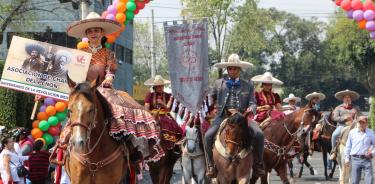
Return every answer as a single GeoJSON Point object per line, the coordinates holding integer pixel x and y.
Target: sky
{"type": "Point", "coordinates": [167, 10]}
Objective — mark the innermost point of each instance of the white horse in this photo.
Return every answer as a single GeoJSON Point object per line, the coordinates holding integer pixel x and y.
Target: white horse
{"type": "Point", "coordinates": [344, 170]}
{"type": "Point", "coordinates": [193, 161]}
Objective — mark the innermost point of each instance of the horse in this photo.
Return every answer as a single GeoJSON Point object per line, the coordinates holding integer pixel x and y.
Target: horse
{"type": "Point", "coordinates": [280, 136]}
{"type": "Point", "coordinates": [193, 161]}
{"type": "Point", "coordinates": [328, 127]}
{"type": "Point", "coordinates": [93, 156]}
{"type": "Point", "coordinates": [161, 171]}
{"type": "Point", "coordinates": [344, 169]}
{"type": "Point", "coordinates": [232, 153]}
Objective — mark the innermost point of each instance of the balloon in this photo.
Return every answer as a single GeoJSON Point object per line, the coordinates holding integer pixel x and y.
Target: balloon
{"type": "Point", "coordinates": [362, 24]}
{"type": "Point", "coordinates": [121, 7]}
{"type": "Point", "coordinates": [368, 5]}
{"type": "Point", "coordinates": [60, 106]}
{"type": "Point", "coordinates": [338, 2]}
{"type": "Point", "coordinates": [107, 45]}
{"type": "Point", "coordinates": [49, 101]}
{"type": "Point", "coordinates": [85, 39]}
{"type": "Point", "coordinates": [120, 17]}
{"type": "Point", "coordinates": [53, 120]}
{"type": "Point", "coordinates": [35, 124]}
{"type": "Point", "coordinates": [104, 14]}
{"type": "Point", "coordinates": [146, 1]}
{"type": "Point", "coordinates": [42, 108]}
{"type": "Point", "coordinates": [110, 38]}
{"type": "Point", "coordinates": [43, 125]}
{"type": "Point", "coordinates": [140, 5]}
{"type": "Point", "coordinates": [61, 116]}
{"type": "Point", "coordinates": [42, 116]}
{"type": "Point", "coordinates": [48, 138]}
{"type": "Point", "coordinates": [369, 14]}
{"type": "Point", "coordinates": [131, 6]}
{"type": "Point", "coordinates": [115, 2]}
{"type": "Point", "coordinates": [129, 15]}
{"type": "Point", "coordinates": [136, 11]}
{"type": "Point", "coordinates": [41, 139]}
{"type": "Point", "coordinates": [370, 25]}
{"type": "Point", "coordinates": [358, 15]}
{"type": "Point", "coordinates": [82, 45]}
{"type": "Point", "coordinates": [50, 110]}
{"type": "Point", "coordinates": [346, 5]}
{"type": "Point", "coordinates": [110, 17]}
{"type": "Point", "coordinates": [372, 35]}
{"type": "Point", "coordinates": [356, 4]}
{"type": "Point", "coordinates": [54, 130]}
{"type": "Point", "coordinates": [36, 133]}
{"type": "Point", "coordinates": [111, 10]}
{"type": "Point", "coordinates": [349, 14]}
{"type": "Point", "coordinates": [124, 1]}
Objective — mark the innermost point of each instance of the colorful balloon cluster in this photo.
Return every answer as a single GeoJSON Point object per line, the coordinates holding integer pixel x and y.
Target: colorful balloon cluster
{"type": "Point", "coordinates": [121, 11]}
{"type": "Point", "coordinates": [363, 11]}
{"type": "Point", "coordinates": [49, 118]}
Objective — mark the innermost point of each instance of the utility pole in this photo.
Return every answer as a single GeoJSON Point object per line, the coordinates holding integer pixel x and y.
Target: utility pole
{"type": "Point", "coordinates": [84, 8]}
{"type": "Point", "coordinates": [153, 70]}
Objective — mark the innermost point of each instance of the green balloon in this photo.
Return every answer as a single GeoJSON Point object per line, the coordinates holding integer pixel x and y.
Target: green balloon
{"type": "Point", "coordinates": [53, 120]}
{"type": "Point", "coordinates": [107, 45]}
{"type": "Point", "coordinates": [129, 15]}
{"type": "Point", "coordinates": [60, 116]}
{"type": "Point", "coordinates": [131, 6]}
{"type": "Point", "coordinates": [44, 125]}
{"type": "Point", "coordinates": [48, 138]}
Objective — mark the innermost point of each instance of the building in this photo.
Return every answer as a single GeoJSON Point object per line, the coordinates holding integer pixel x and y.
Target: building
{"type": "Point", "coordinates": [50, 26]}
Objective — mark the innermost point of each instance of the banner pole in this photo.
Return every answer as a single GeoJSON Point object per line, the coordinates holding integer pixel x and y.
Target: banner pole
{"type": "Point", "coordinates": [34, 110]}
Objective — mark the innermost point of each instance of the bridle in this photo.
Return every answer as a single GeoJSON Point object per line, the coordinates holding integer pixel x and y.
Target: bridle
{"type": "Point", "coordinates": [237, 144]}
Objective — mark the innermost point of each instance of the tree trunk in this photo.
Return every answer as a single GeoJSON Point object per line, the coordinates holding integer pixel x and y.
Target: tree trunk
{"type": "Point", "coordinates": [372, 112]}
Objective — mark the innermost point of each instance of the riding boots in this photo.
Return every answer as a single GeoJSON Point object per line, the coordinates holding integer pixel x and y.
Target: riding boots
{"type": "Point", "coordinates": [258, 167]}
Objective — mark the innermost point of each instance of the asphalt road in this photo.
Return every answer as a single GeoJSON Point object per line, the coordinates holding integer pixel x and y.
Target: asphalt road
{"type": "Point", "coordinates": [316, 161]}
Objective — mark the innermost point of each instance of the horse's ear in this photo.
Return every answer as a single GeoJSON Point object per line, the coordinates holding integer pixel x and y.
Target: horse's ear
{"type": "Point", "coordinates": [71, 83]}
{"type": "Point", "coordinates": [94, 83]}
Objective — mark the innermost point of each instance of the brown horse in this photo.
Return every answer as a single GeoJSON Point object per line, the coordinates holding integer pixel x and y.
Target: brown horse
{"type": "Point", "coordinates": [232, 153]}
{"type": "Point", "coordinates": [93, 156]}
{"type": "Point", "coordinates": [280, 135]}
{"type": "Point", "coordinates": [161, 171]}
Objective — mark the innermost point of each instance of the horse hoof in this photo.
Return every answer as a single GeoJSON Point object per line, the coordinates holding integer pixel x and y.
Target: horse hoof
{"type": "Point", "coordinates": [312, 172]}
{"type": "Point", "coordinates": [331, 175]}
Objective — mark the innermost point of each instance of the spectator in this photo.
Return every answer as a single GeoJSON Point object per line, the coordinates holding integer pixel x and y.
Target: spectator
{"type": "Point", "coordinates": [39, 163]}
{"type": "Point", "coordinates": [9, 161]}
{"type": "Point", "coordinates": [25, 143]}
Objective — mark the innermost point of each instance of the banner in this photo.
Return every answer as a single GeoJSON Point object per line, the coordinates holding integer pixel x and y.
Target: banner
{"type": "Point", "coordinates": [41, 68]}
{"type": "Point", "coordinates": [187, 48]}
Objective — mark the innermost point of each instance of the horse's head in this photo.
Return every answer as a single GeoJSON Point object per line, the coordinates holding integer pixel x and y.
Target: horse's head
{"type": "Point", "coordinates": [309, 119]}
{"type": "Point", "coordinates": [83, 113]}
{"type": "Point", "coordinates": [236, 135]}
{"type": "Point", "coordinates": [192, 138]}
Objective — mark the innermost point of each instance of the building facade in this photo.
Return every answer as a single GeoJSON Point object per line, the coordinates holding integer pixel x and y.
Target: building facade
{"type": "Point", "coordinates": [50, 26]}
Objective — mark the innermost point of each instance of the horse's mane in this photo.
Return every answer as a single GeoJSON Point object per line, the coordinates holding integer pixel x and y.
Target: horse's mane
{"type": "Point", "coordinates": [85, 90]}
{"type": "Point", "coordinates": [242, 121]}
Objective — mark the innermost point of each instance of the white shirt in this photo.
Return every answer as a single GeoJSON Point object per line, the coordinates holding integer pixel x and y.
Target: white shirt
{"type": "Point", "coordinates": [16, 161]}
{"type": "Point", "coordinates": [359, 143]}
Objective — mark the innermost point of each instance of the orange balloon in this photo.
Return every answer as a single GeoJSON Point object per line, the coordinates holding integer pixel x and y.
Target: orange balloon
{"type": "Point", "coordinates": [110, 38]}
{"type": "Point", "coordinates": [36, 133]}
{"type": "Point", "coordinates": [120, 17]}
{"type": "Point", "coordinates": [42, 116]}
{"type": "Point", "coordinates": [36, 124]}
{"type": "Point", "coordinates": [60, 106]}
{"type": "Point", "coordinates": [362, 24]}
{"type": "Point", "coordinates": [82, 45]}
{"type": "Point", "coordinates": [50, 110]}
{"type": "Point", "coordinates": [121, 7]}
{"type": "Point", "coordinates": [123, 1]}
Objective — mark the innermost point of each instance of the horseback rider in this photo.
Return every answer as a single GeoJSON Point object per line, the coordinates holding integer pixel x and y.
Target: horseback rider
{"type": "Point", "coordinates": [292, 103]}
{"type": "Point", "coordinates": [314, 100]}
{"type": "Point", "coordinates": [344, 115]}
{"type": "Point", "coordinates": [233, 95]}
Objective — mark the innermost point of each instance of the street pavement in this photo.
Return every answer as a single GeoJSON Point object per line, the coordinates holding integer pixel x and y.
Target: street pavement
{"type": "Point", "coordinates": [316, 161]}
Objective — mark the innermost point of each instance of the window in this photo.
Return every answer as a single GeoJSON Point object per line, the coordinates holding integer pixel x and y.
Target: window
{"type": "Point", "coordinates": [128, 56]}
{"type": "Point", "coordinates": [120, 52]}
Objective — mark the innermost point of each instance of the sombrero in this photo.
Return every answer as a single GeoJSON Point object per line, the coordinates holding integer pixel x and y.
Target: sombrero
{"type": "Point", "coordinates": [292, 97]}
{"type": "Point", "coordinates": [340, 95]}
{"type": "Point", "coordinates": [310, 96]}
{"type": "Point", "coordinates": [31, 47]}
{"type": "Point", "coordinates": [156, 81]}
{"type": "Point", "coordinates": [77, 29]}
{"type": "Point", "coordinates": [234, 60]}
{"type": "Point", "coordinates": [266, 78]}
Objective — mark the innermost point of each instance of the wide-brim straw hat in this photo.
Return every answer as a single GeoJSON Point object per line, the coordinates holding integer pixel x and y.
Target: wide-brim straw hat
{"type": "Point", "coordinates": [156, 81]}
{"type": "Point", "coordinates": [292, 97]}
{"type": "Point", "coordinates": [78, 29]}
{"type": "Point", "coordinates": [340, 95]}
{"type": "Point", "coordinates": [234, 61]}
{"type": "Point", "coordinates": [266, 78]}
{"type": "Point", "coordinates": [310, 96]}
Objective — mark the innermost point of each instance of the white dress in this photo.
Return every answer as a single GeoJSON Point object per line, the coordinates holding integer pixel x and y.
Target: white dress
{"type": "Point", "coordinates": [17, 161]}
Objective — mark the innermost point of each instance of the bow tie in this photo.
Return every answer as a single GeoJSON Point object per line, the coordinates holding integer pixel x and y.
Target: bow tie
{"type": "Point", "coordinates": [231, 83]}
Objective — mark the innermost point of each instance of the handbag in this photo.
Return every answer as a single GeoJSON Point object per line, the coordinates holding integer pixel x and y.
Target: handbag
{"type": "Point", "coordinates": [21, 170]}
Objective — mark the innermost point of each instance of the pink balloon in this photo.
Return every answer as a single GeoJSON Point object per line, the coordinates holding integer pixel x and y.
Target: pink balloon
{"type": "Point", "coordinates": [358, 15]}
{"type": "Point", "coordinates": [110, 17]}
{"type": "Point", "coordinates": [346, 5]}
{"type": "Point", "coordinates": [372, 35]}
{"type": "Point", "coordinates": [369, 14]}
{"type": "Point", "coordinates": [85, 39]}
{"type": "Point", "coordinates": [349, 14]}
{"type": "Point", "coordinates": [115, 2]}
{"type": "Point", "coordinates": [104, 14]}
{"type": "Point", "coordinates": [368, 5]}
{"type": "Point", "coordinates": [356, 4]}
{"type": "Point", "coordinates": [112, 9]}
{"type": "Point", "coordinates": [370, 25]}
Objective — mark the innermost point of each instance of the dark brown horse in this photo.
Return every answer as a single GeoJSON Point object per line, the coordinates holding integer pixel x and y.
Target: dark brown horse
{"type": "Point", "coordinates": [161, 171]}
{"type": "Point", "coordinates": [280, 135]}
{"type": "Point", "coordinates": [93, 156]}
{"type": "Point", "coordinates": [232, 152]}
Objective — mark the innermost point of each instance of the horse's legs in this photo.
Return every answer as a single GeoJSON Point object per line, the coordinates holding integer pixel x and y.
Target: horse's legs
{"type": "Point", "coordinates": [324, 152]}
{"type": "Point", "coordinates": [333, 169]}
{"type": "Point", "coordinates": [290, 166]}
{"type": "Point", "coordinates": [254, 179]}
{"type": "Point", "coordinates": [282, 171]}
{"type": "Point", "coordinates": [264, 179]}
{"type": "Point", "coordinates": [186, 168]}
{"type": "Point", "coordinates": [305, 156]}
{"type": "Point", "coordinates": [200, 170]}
